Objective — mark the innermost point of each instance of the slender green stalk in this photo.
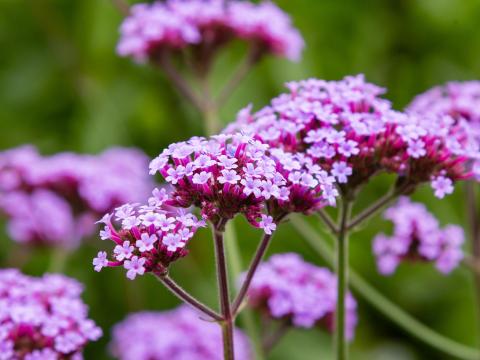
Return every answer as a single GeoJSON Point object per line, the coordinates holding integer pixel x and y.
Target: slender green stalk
{"type": "Point", "coordinates": [223, 293]}
{"type": "Point", "coordinates": [404, 320]}
{"type": "Point", "coordinates": [235, 268]}
{"type": "Point", "coordinates": [342, 279]}
{"type": "Point", "coordinates": [58, 260]}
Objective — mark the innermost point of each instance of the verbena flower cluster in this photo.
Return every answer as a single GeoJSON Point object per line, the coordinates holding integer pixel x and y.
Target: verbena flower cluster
{"type": "Point", "coordinates": [417, 236]}
{"type": "Point", "coordinates": [151, 236]}
{"type": "Point", "coordinates": [205, 25]}
{"type": "Point", "coordinates": [287, 287]}
{"type": "Point", "coordinates": [460, 103]}
{"type": "Point", "coordinates": [178, 334]}
{"type": "Point", "coordinates": [345, 127]}
{"type": "Point", "coordinates": [43, 318]}
{"type": "Point", "coordinates": [54, 200]}
{"type": "Point", "coordinates": [231, 174]}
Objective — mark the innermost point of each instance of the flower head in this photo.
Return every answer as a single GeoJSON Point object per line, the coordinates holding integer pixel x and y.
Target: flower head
{"type": "Point", "coordinates": [155, 236]}
{"type": "Point", "coordinates": [176, 335]}
{"type": "Point", "coordinates": [151, 29]}
{"type": "Point", "coordinates": [353, 134]}
{"type": "Point", "coordinates": [289, 288]}
{"type": "Point", "coordinates": [417, 236]}
{"type": "Point", "coordinates": [43, 318]}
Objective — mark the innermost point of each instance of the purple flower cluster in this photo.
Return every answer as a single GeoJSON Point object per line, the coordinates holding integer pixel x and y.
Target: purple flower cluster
{"type": "Point", "coordinates": [347, 129]}
{"type": "Point", "coordinates": [175, 335]}
{"type": "Point", "coordinates": [231, 174]}
{"type": "Point", "coordinates": [417, 236]}
{"type": "Point", "coordinates": [459, 102]}
{"type": "Point", "coordinates": [150, 238]}
{"type": "Point", "coordinates": [43, 318]}
{"type": "Point", "coordinates": [205, 25]}
{"type": "Point", "coordinates": [287, 287]}
{"type": "Point", "coordinates": [53, 200]}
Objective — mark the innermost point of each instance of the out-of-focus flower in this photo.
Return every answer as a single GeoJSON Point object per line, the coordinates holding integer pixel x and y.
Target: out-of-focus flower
{"type": "Point", "coordinates": [43, 318]}
{"type": "Point", "coordinates": [150, 238]}
{"type": "Point", "coordinates": [174, 335]}
{"type": "Point", "coordinates": [286, 287]}
{"type": "Point", "coordinates": [231, 174]}
{"type": "Point", "coordinates": [459, 102]}
{"type": "Point", "coordinates": [206, 25]}
{"type": "Point", "coordinates": [351, 132]}
{"type": "Point", "coordinates": [417, 236]}
{"type": "Point", "coordinates": [53, 200]}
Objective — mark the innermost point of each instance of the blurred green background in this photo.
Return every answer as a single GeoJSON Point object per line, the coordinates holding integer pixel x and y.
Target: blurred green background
{"type": "Point", "coordinates": [62, 87]}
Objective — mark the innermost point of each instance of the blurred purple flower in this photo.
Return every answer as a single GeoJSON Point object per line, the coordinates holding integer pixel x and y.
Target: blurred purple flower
{"type": "Point", "coordinates": [43, 318]}
{"type": "Point", "coordinates": [178, 334]}
{"type": "Point", "coordinates": [417, 236]}
{"type": "Point", "coordinates": [287, 287]}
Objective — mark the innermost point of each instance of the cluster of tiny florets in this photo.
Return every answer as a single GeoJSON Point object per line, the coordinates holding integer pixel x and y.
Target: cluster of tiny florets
{"type": "Point", "coordinates": [43, 318]}
{"type": "Point", "coordinates": [206, 25]}
{"type": "Point", "coordinates": [54, 200]}
{"type": "Point", "coordinates": [460, 103]}
{"type": "Point", "coordinates": [178, 334]}
{"type": "Point", "coordinates": [417, 236]}
{"type": "Point", "coordinates": [345, 127]}
{"type": "Point", "coordinates": [287, 287]}
{"type": "Point", "coordinates": [231, 174]}
{"type": "Point", "coordinates": [150, 236]}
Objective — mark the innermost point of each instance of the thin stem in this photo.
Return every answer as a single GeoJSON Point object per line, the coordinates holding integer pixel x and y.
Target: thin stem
{"type": "Point", "coordinates": [183, 87]}
{"type": "Point", "coordinates": [179, 292]}
{"type": "Point", "coordinates": [472, 213]}
{"type": "Point", "coordinates": [270, 341]}
{"type": "Point", "coordinates": [209, 108]}
{"type": "Point", "coordinates": [122, 6]}
{"type": "Point", "coordinates": [322, 214]}
{"type": "Point", "coordinates": [235, 267]}
{"type": "Point", "coordinates": [404, 320]}
{"type": "Point", "coordinates": [240, 73]}
{"type": "Point", "coordinates": [58, 260]}
{"type": "Point", "coordinates": [223, 294]}
{"type": "Point", "coordinates": [261, 249]}
{"type": "Point", "coordinates": [342, 279]}
{"type": "Point", "coordinates": [373, 209]}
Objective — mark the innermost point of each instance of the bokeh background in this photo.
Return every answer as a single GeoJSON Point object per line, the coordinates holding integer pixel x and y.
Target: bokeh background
{"type": "Point", "coordinates": [62, 87]}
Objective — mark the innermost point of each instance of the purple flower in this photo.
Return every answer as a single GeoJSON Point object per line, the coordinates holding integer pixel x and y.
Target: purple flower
{"type": "Point", "coordinates": [177, 334]}
{"type": "Point", "coordinates": [417, 235]}
{"type": "Point", "coordinates": [201, 178]}
{"type": "Point", "coordinates": [442, 186]}
{"type": "Point", "coordinates": [43, 318]}
{"type": "Point", "coordinates": [157, 238]}
{"type": "Point", "coordinates": [341, 171]}
{"type": "Point", "coordinates": [267, 224]}
{"type": "Point", "coordinates": [288, 288]}
{"type": "Point", "coordinates": [134, 267]}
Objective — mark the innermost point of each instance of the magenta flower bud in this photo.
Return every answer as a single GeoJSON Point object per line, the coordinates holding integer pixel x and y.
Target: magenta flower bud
{"type": "Point", "coordinates": [43, 318]}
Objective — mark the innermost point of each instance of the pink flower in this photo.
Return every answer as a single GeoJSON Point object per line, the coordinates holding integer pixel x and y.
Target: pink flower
{"type": "Point", "coordinates": [135, 267]}
{"type": "Point", "coordinates": [267, 224]}
{"type": "Point", "coordinates": [123, 251]}
{"type": "Point", "coordinates": [442, 186]}
{"type": "Point", "coordinates": [146, 242]}
{"type": "Point", "coordinates": [100, 261]}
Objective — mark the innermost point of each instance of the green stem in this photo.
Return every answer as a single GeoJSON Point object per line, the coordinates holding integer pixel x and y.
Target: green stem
{"type": "Point", "coordinates": [58, 260]}
{"type": "Point", "coordinates": [412, 326]}
{"type": "Point", "coordinates": [235, 268]}
{"type": "Point", "coordinates": [342, 280]}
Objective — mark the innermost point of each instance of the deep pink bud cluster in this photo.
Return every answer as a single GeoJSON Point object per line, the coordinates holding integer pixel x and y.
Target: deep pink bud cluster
{"type": "Point", "coordinates": [231, 174]}
{"type": "Point", "coordinates": [206, 25]}
{"type": "Point", "coordinates": [459, 102]}
{"type": "Point", "coordinates": [417, 236]}
{"type": "Point", "coordinates": [178, 334]}
{"type": "Point", "coordinates": [150, 237]}
{"type": "Point", "coordinates": [287, 287]}
{"type": "Point", "coordinates": [43, 318]}
{"type": "Point", "coordinates": [53, 200]}
{"type": "Point", "coordinates": [345, 127]}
